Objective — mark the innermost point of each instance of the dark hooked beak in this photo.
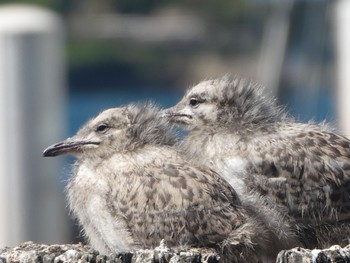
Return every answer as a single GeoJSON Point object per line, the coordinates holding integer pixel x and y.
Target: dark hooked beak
{"type": "Point", "coordinates": [68, 146]}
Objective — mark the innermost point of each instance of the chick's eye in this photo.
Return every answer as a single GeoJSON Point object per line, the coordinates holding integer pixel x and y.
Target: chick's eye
{"type": "Point", "coordinates": [194, 102]}
{"type": "Point", "coordinates": [102, 127]}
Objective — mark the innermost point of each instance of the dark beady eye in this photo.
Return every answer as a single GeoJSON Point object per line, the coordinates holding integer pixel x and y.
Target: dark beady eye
{"type": "Point", "coordinates": [101, 128]}
{"type": "Point", "coordinates": [194, 102]}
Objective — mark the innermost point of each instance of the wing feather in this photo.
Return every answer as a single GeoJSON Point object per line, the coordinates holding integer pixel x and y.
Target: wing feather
{"type": "Point", "coordinates": [182, 204]}
{"type": "Point", "coordinates": [307, 171]}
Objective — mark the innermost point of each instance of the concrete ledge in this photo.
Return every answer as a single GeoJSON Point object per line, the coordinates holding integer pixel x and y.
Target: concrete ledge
{"type": "Point", "coordinates": [32, 252]}
{"type": "Point", "coordinates": [42, 253]}
{"type": "Point", "coordinates": [333, 254]}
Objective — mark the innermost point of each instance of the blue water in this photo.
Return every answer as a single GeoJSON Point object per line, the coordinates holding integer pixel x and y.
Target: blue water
{"type": "Point", "coordinates": [303, 104]}
{"type": "Point", "coordinates": [85, 105]}
{"type": "Point", "coordinates": [311, 104]}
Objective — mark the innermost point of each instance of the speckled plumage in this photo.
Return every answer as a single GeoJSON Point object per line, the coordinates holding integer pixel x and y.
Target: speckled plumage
{"type": "Point", "coordinates": [131, 189]}
{"type": "Point", "coordinates": [304, 168]}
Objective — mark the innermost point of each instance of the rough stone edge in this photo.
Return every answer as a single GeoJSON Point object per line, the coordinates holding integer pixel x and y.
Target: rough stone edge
{"type": "Point", "coordinates": [43, 253]}
{"type": "Point", "coordinates": [332, 254]}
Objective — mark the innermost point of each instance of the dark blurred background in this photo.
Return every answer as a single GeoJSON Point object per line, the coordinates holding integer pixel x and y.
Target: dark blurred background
{"type": "Point", "coordinates": [119, 51]}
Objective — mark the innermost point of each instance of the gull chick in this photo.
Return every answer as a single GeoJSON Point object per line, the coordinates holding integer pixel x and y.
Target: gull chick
{"type": "Point", "coordinates": [130, 189]}
{"type": "Point", "coordinates": [249, 140]}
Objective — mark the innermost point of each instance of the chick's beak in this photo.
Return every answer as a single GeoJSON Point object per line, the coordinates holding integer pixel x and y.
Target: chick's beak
{"type": "Point", "coordinates": [178, 116]}
{"type": "Point", "coordinates": [69, 146]}
{"type": "Point", "coordinates": [167, 113]}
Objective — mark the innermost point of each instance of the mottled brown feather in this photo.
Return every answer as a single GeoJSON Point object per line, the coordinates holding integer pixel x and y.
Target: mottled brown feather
{"type": "Point", "coordinates": [313, 162]}
{"type": "Point", "coordinates": [184, 210]}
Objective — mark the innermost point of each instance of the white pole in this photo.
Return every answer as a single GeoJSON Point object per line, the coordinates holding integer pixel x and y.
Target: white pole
{"type": "Point", "coordinates": [32, 99]}
{"type": "Point", "coordinates": [342, 41]}
{"type": "Point", "coordinates": [274, 46]}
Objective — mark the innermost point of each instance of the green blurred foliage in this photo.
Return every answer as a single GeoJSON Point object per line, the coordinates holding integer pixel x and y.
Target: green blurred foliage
{"type": "Point", "coordinates": [101, 58]}
{"type": "Point", "coordinates": [139, 6]}
{"type": "Point", "coordinates": [219, 10]}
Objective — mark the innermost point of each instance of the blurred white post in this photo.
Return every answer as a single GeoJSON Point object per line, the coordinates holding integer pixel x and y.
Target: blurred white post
{"type": "Point", "coordinates": [274, 45]}
{"type": "Point", "coordinates": [32, 99]}
{"type": "Point", "coordinates": [342, 44]}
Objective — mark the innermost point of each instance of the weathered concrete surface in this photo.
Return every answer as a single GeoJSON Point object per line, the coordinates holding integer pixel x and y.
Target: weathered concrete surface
{"type": "Point", "coordinates": [42, 253]}
{"type": "Point", "coordinates": [301, 255]}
